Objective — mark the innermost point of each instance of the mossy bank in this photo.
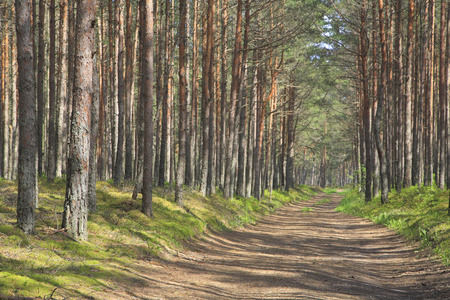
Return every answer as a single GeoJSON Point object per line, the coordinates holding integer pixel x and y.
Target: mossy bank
{"type": "Point", "coordinates": [419, 214]}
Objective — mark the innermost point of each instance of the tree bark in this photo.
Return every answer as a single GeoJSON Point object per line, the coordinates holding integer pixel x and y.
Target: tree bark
{"type": "Point", "coordinates": [379, 107]}
{"type": "Point", "coordinates": [235, 82]}
{"type": "Point", "coordinates": [118, 171]}
{"type": "Point", "coordinates": [146, 7]}
{"type": "Point", "coordinates": [112, 90]}
{"type": "Point", "coordinates": [27, 189]}
{"type": "Point", "coordinates": [40, 86]}
{"type": "Point", "coordinates": [75, 205]}
{"type": "Point", "coordinates": [366, 104]}
{"type": "Point", "coordinates": [51, 149]}
{"type": "Point", "coordinates": [182, 111]}
{"type": "Point", "coordinates": [92, 195]}
{"type": "Point", "coordinates": [129, 78]}
{"type": "Point", "coordinates": [208, 43]}
{"type": "Point", "coordinates": [409, 94]}
{"type": "Point", "coordinates": [61, 90]}
{"type": "Point", "coordinates": [443, 100]}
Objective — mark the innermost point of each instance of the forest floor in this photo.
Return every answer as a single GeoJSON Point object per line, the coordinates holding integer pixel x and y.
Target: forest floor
{"type": "Point", "coordinates": [305, 251]}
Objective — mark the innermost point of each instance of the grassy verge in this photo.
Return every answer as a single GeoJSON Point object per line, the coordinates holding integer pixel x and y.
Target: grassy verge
{"type": "Point", "coordinates": [50, 265]}
{"type": "Point", "coordinates": [420, 214]}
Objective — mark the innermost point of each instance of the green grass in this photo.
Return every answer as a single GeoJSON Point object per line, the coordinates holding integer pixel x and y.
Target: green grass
{"type": "Point", "coordinates": [330, 191]}
{"type": "Point", "coordinates": [307, 209]}
{"type": "Point", "coordinates": [119, 235]}
{"type": "Point", "coordinates": [322, 201]}
{"type": "Point", "coordinates": [420, 214]}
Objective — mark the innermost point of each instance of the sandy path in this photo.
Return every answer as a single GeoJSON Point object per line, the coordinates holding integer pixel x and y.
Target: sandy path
{"type": "Point", "coordinates": [295, 254]}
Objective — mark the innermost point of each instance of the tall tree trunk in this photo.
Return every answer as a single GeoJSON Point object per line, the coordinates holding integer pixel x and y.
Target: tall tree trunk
{"type": "Point", "coordinates": [146, 7]}
{"type": "Point", "coordinates": [418, 132]}
{"type": "Point", "coordinates": [112, 90]}
{"type": "Point", "coordinates": [443, 99]}
{"type": "Point", "coordinates": [101, 146]}
{"type": "Point", "coordinates": [429, 99]}
{"type": "Point", "coordinates": [92, 195]}
{"type": "Point", "coordinates": [165, 100]}
{"type": "Point", "coordinates": [40, 86]}
{"type": "Point", "coordinates": [129, 78]}
{"type": "Point", "coordinates": [120, 94]}
{"type": "Point", "coordinates": [290, 139]}
{"type": "Point", "coordinates": [75, 205]}
{"type": "Point", "coordinates": [398, 92]}
{"type": "Point", "coordinates": [51, 149]}
{"type": "Point", "coordinates": [235, 82]}
{"type": "Point", "coordinates": [182, 111]}
{"type": "Point", "coordinates": [409, 94]}
{"type": "Point", "coordinates": [61, 90]}
{"type": "Point", "coordinates": [188, 167]}
{"type": "Point", "coordinates": [379, 107]}
{"type": "Point", "coordinates": [3, 85]}
{"type": "Point", "coordinates": [27, 189]}
{"type": "Point", "coordinates": [366, 104]}
{"type": "Point", "coordinates": [244, 108]}
{"type": "Point", "coordinates": [223, 95]}
{"type": "Point", "coordinates": [207, 94]}
{"type": "Point", "coordinates": [191, 166]}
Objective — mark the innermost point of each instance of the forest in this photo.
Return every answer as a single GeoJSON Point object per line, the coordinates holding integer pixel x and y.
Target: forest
{"type": "Point", "coordinates": [131, 128]}
{"type": "Point", "coordinates": [229, 96]}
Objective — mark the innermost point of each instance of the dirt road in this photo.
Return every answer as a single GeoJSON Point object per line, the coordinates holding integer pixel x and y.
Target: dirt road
{"type": "Point", "coordinates": [305, 251]}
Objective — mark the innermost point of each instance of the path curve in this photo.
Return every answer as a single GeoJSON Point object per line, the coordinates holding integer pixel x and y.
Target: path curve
{"type": "Point", "coordinates": [295, 254]}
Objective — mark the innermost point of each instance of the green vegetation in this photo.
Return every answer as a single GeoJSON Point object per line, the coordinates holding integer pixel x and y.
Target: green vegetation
{"type": "Point", "coordinates": [119, 234]}
{"type": "Point", "coordinates": [322, 201]}
{"type": "Point", "coordinates": [420, 214]}
{"type": "Point", "coordinates": [307, 209]}
{"type": "Point", "coordinates": [330, 191]}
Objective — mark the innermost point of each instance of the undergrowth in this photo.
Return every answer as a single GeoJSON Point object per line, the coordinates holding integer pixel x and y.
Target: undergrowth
{"type": "Point", "coordinates": [48, 264]}
{"type": "Point", "coordinates": [420, 214]}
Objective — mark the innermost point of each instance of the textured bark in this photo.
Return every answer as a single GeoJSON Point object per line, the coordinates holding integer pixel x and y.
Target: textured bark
{"type": "Point", "coordinates": [182, 127]}
{"type": "Point", "coordinates": [418, 109]}
{"type": "Point", "coordinates": [366, 104]}
{"type": "Point", "coordinates": [76, 202]}
{"type": "Point", "coordinates": [146, 7]}
{"type": "Point", "coordinates": [165, 100]}
{"type": "Point", "coordinates": [61, 90]}
{"type": "Point", "coordinates": [70, 75]}
{"type": "Point", "coordinates": [40, 86]}
{"type": "Point", "coordinates": [376, 164]}
{"type": "Point", "coordinates": [207, 95]}
{"type": "Point", "coordinates": [3, 94]}
{"type": "Point", "coordinates": [235, 83]}
{"type": "Point", "coordinates": [398, 93]}
{"type": "Point", "coordinates": [429, 99]}
{"type": "Point", "coordinates": [448, 104]}
{"type": "Point", "coordinates": [244, 107]}
{"type": "Point", "coordinates": [101, 146]}
{"type": "Point", "coordinates": [27, 189]}
{"type": "Point", "coordinates": [290, 140]}
{"type": "Point", "coordinates": [92, 195]}
{"type": "Point", "coordinates": [128, 105]}
{"type": "Point", "coordinates": [51, 149]}
{"type": "Point", "coordinates": [118, 171]}
{"type": "Point", "coordinates": [380, 106]}
{"type": "Point", "coordinates": [189, 154]}
{"type": "Point", "coordinates": [223, 93]}
{"type": "Point", "coordinates": [112, 80]}
{"type": "Point", "coordinates": [443, 100]}
{"type": "Point", "coordinates": [409, 94]}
